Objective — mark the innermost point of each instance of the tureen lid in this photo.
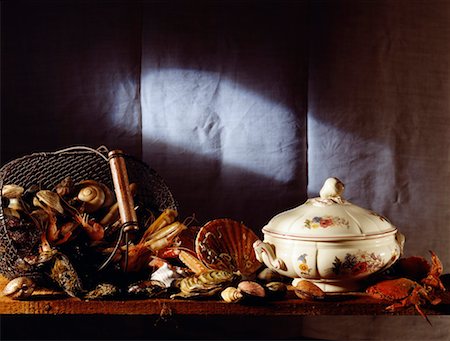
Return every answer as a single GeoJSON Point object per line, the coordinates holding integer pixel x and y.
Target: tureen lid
{"type": "Point", "coordinates": [328, 217]}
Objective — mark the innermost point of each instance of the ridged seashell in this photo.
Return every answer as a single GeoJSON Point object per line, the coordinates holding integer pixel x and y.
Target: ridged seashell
{"type": "Point", "coordinates": [225, 244]}
{"type": "Point", "coordinates": [276, 290]}
{"type": "Point", "coordinates": [252, 289]}
{"type": "Point", "coordinates": [206, 284]}
{"type": "Point", "coordinates": [194, 287]}
{"type": "Point", "coordinates": [48, 199]}
{"type": "Point", "coordinates": [19, 288]}
{"type": "Point", "coordinates": [308, 290]}
{"type": "Point", "coordinates": [217, 277]}
{"type": "Point", "coordinates": [231, 295]}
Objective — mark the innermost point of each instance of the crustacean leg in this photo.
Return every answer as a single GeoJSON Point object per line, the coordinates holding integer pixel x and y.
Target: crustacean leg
{"type": "Point", "coordinates": [433, 280]}
{"type": "Point", "coordinates": [414, 298]}
{"type": "Point", "coordinates": [94, 230]}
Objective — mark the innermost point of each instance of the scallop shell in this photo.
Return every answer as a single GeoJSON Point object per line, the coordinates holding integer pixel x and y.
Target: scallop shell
{"type": "Point", "coordinates": [225, 244]}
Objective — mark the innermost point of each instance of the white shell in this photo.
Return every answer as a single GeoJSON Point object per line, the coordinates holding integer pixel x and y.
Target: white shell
{"type": "Point", "coordinates": [165, 274]}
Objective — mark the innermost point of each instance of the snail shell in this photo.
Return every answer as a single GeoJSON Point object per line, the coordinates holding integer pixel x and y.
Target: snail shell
{"type": "Point", "coordinates": [231, 295]}
{"type": "Point", "coordinates": [95, 195]}
{"type": "Point", "coordinates": [252, 289]}
{"type": "Point", "coordinates": [93, 198]}
{"type": "Point", "coordinates": [48, 199]}
{"type": "Point", "coordinates": [19, 288]}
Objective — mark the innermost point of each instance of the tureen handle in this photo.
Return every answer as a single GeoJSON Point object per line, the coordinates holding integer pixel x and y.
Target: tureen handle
{"type": "Point", "coordinates": [332, 189]}
{"type": "Point", "coordinates": [266, 254]}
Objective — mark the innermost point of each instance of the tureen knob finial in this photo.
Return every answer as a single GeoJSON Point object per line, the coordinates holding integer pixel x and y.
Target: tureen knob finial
{"type": "Point", "coordinates": [332, 188]}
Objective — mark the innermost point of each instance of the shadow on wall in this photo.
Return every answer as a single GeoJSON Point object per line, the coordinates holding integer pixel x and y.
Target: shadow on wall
{"type": "Point", "coordinates": [210, 189]}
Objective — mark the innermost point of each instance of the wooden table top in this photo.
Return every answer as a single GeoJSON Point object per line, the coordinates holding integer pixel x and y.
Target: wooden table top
{"type": "Point", "coordinates": [47, 302]}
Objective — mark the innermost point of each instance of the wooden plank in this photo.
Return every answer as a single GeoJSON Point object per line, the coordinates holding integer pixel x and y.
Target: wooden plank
{"type": "Point", "coordinates": [46, 302]}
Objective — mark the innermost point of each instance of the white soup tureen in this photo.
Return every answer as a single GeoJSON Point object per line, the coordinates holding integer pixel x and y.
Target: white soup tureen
{"type": "Point", "coordinates": [329, 241]}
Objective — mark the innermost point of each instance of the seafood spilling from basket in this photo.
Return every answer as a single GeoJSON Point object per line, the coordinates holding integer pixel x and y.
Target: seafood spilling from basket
{"type": "Point", "coordinates": [71, 238]}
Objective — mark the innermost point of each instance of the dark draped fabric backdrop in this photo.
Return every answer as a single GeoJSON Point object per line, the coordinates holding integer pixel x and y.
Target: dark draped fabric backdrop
{"type": "Point", "coordinates": [246, 107]}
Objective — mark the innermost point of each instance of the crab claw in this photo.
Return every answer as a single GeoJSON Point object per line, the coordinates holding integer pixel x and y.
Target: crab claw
{"type": "Point", "coordinates": [436, 270]}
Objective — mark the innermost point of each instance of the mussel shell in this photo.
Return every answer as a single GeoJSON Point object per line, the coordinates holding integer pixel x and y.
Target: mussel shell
{"type": "Point", "coordinates": [64, 274]}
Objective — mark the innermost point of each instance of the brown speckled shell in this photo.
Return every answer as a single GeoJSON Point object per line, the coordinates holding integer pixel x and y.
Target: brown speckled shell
{"type": "Point", "coordinates": [225, 244]}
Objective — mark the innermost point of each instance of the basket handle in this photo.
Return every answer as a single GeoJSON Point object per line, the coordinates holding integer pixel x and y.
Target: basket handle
{"type": "Point", "coordinates": [98, 151]}
{"type": "Point", "coordinates": [123, 192]}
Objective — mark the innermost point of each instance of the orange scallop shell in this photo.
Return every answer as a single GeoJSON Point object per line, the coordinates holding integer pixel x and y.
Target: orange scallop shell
{"type": "Point", "coordinates": [225, 244]}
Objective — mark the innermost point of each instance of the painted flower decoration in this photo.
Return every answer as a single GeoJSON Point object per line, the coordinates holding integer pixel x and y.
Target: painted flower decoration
{"type": "Point", "coordinates": [326, 221]}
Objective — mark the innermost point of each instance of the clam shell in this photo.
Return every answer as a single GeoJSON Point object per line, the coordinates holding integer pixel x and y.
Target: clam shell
{"type": "Point", "coordinates": [46, 198]}
{"type": "Point", "coordinates": [225, 244]}
{"type": "Point", "coordinates": [19, 288]}
{"type": "Point", "coordinates": [308, 290]}
{"type": "Point", "coordinates": [252, 289]}
{"type": "Point", "coordinates": [12, 191]}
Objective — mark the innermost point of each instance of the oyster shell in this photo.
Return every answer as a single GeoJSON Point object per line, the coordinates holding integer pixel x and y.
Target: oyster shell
{"type": "Point", "coordinates": [225, 244]}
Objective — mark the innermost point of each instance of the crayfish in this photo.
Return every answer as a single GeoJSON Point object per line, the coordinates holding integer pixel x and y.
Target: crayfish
{"type": "Point", "coordinates": [404, 292]}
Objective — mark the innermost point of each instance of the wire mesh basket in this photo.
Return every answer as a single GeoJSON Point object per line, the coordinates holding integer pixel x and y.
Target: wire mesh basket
{"type": "Point", "coordinates": [46, 170]}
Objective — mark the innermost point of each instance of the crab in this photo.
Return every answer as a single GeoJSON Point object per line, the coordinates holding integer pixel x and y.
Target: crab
{"type": "Point", "coordinates": [405, 292]}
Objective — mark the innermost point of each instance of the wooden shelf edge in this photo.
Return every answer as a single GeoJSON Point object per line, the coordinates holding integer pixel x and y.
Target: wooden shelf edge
{"type": "Point", "coordinates": [44, 303]}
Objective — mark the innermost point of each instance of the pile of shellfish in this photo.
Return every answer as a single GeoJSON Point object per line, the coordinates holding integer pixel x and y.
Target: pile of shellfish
{"type": "Point", "coordinates": [72, 237]}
